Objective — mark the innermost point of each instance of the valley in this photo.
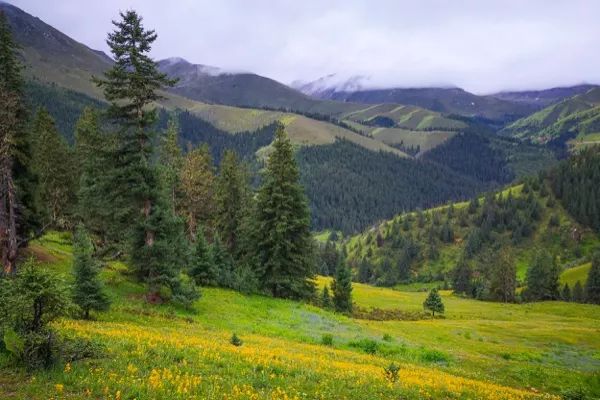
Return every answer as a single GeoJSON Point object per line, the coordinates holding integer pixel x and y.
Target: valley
{"type": "Point", "coordinates": [175, 225]}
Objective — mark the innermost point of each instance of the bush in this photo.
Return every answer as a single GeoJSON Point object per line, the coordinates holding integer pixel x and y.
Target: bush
{"type": "Point", "coordinates": [327, 340]}
{"type": "Point", "coordinates": [392, 372]}
{"type": "Point", "coordinates": [367, 345]}
{"type": "Point", "coordinates": [235, 340]}
{"type": "Point", "coordinates": [28, 303]}
{"type": "Point", "coordinates": [185, 292]}
{"type": "Point", "coordinates": [387, 337]}
{"type": "Point", "coordinates": [39, 350]}
{"type": "Point", "coordinates": [73, 349]}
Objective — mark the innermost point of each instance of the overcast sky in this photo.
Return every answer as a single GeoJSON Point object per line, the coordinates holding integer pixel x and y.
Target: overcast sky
{"type": "Point", "coordinates": [482, 46]}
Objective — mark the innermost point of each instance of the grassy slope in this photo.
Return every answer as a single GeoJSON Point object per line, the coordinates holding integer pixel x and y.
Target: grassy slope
{"type": "Point", "coordinates": [480, 350]}
{"type": "Point", "coordinates": [579, 115]}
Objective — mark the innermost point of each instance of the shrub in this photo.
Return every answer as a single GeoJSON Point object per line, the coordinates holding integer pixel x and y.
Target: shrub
{"type": "Point", "coordinates": [392, 372]}
{"type": "Point", "coordinates": [185, 292]}
{"type": "Point", "coordinates": [235, 340]}
{"type": "Point", "coordinates": [387, 337]}
{"type": "Point", "coordinates": [367, 345]}
{"type": "Point", "coordinates": [73, 349]}
{"type": "Point", "coordinates": [433, 356]}
{"type": "Point", "coordinates": [28, 303]}
{"type": "Point", "coordinates": [327, 340]}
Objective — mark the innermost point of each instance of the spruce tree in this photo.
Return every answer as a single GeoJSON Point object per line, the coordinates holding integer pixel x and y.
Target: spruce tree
{"type": "Point", "coordinates": [503, 282]}
{"type": "Point", "coordinates": [55, 168]}
{"type": "Point", "coordinates": [16, 199]}
{"type": "Point", "coordinates": [198, 190]}
{"type": "Point", "coordinates": [283, 244]}
{"type": "Point", "coordinates": [231, 200]}
{"type": "Point", "coordinates": [566, 293]}
{"type": "Point", "coordinates": [93, 150]}
{"type": "Point", "coordinates": [461, 277]}
{"type": "Point", "coordinates": [325, 297]}
{"type": "Point", "coordinates": [592, 285]}
{"type": "Point", "coordinates": [203, 269]}
{"type": "Point", "coordinates": [88, 293]}
{"type": "Point", "coordinates": [434, 303]}
{"type": "Point", "coordinates": [578, 293]}
{"type": "Point", "coordinates": [223, 263]}
{"type": "Point", "coordinates": [157, 245]}
{"type": "Point", "coordinates": [171, 162]}
{"type": "Point", "coordinates": [342, 288]}
{"type": "Point", "coordinates": [543, 278]}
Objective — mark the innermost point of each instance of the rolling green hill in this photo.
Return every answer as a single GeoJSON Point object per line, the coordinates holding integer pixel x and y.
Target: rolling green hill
{"type": "Point", "coordinates": [425, 246]}
{"type": "Point", "coordinates": [576, 117]}
{"type": "Point", "coordinates": [444, 100]}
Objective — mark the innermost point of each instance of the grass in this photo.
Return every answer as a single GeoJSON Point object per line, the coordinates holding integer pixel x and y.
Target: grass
{"type": "Point", "coordinates": [571, 275]}
{"type": "Point", "coordinates": [478, 350]}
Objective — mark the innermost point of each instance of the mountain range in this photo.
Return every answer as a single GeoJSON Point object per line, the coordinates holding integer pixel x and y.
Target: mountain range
{"type": "Point", "coordinates": [450, 131]}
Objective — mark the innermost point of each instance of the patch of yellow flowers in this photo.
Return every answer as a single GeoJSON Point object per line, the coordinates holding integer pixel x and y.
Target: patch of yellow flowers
{"type": "Point", "coordinates": [194, 363]}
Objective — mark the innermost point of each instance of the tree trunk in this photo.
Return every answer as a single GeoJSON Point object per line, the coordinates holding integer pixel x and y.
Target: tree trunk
{"type": "Point", "coordinates": [149, 235]}
{"type": "Point", "coordinates": [12, 246]}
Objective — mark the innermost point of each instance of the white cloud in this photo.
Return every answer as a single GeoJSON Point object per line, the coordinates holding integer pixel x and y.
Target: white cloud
{"type": "Point", "coordinates": [482, 46]}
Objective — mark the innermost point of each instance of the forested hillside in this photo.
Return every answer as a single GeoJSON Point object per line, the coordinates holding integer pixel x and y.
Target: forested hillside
{"type": "Point", "coordinates": [576, 117]}
{"type": "Point", "coordinates": [493, 239]}
{"type": "Point", "coordinates": [349, 187]}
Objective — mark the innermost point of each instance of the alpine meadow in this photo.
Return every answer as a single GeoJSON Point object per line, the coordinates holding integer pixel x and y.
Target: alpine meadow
{"type": "Point", "coordinates": [344, 223]}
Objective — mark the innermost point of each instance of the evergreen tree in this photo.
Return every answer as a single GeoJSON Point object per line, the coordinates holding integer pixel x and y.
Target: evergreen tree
{"type": "Point", "coordinates": [543, 278]}
{"type": "Point", "coordinates": [158, 248]}
{"type": "Point", "coordinates": [592, 285]}
{"type": "Point", "coordinates": [566, 293]}
{"type": "Point", "coordinates": [461, 277]}
{"type": "Point", "coordinates": [88, 293]}
{"type": "Point", "coordinates": [16, 183]}
{"type": "Point", "coordinates": [171, 162]}
{"type": "Point", "coordinates": [504, 279]}
{"type": "Point", "coordinates": [159, 262]}
{"type": "Point", "coordinates": [93, 151]}
{"type": "Point", "coordinates": [325, 297]}
{"type": "Point", "coordinates": [203, 269]}
{"type": "Point", "coordinates": [578, 293]}
{"type": "Point", "coordinates": [231, 200]}
{"type": "Point", "coordinates": [434, 302]}
{"type": "Point", "coordinates": [364, 271]}
{"type": "Point", "coordinates": [223, 263]}
{"type": "Point", "coordinates": [55, 168]}
{"type": "Point", "coordinates": [198, 190]}
{"type": "Point", "coordinates": [283, 244]}
{"type": "Point", "coordinates": [342, 289]}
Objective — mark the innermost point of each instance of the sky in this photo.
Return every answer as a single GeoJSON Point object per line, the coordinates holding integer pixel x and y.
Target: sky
{"type": "Point", "coordinates": [483, 46]}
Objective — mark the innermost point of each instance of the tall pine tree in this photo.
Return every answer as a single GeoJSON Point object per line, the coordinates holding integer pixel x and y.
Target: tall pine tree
{"type": "Point", "coordinates": [158, 248]}
{"type": "Point", "coordinates": [231, 200]}
{"type": "Point", "coordinates": [283, 244]}
{"type": "Point", "coordinates": [17, 216]}
{"type": "Point", "coordinates": [198, 190]}
{"type": "Point", "coordinates": [93, 153]}
{"type": "Point", "coordinates": [55, 168]}
{"type": "Point", "coordinates": [503, 282]}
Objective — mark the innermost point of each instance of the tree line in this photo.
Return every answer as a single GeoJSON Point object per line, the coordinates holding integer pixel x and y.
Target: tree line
{"type": "Point", "coordinates": [129, 193]}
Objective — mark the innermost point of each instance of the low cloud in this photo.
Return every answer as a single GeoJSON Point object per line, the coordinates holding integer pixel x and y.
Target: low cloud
{"type": "Point", "coordinates": [480, 46]}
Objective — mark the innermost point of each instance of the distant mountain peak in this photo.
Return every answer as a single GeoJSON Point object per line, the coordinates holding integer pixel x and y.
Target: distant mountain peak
{"type": "Point", "coordinates": [186, 69]}
{"type": "Point", "coordinates": [328, 84]}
